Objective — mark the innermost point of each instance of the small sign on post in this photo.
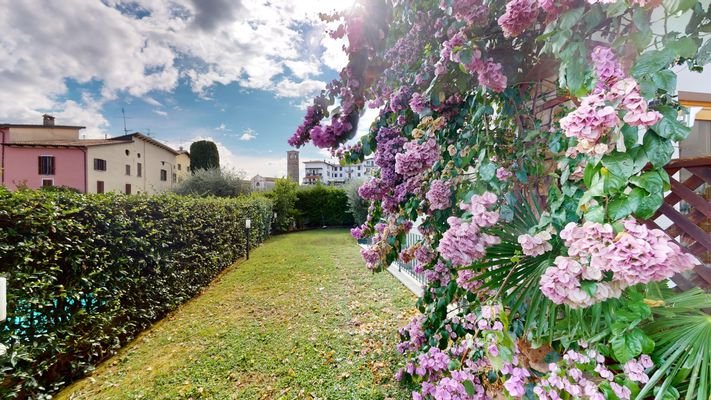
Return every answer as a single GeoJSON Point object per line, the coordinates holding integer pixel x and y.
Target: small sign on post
{"type": "Point", "coordinates": [3, 299]}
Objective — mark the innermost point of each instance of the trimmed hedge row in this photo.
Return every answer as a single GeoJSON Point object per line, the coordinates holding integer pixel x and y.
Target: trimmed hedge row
{"type": "Point", "coordinates": [86, 273]}
{"type": "Point", "coordinates": [322, 206]}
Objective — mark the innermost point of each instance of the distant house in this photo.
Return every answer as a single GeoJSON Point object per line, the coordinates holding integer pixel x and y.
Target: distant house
{"type": "Point", "coordinates": [54, 155]}
{"type": "Point", "coordinates": [327, 173]}
{"type": "Point", "coordinates": [261, 183]}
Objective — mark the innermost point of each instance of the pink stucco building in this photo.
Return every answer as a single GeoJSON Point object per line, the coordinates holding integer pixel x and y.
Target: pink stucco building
{"type": "Point", "coordinates": [33, 156]}
{"type": "Point", "coordinates": [41, 155]}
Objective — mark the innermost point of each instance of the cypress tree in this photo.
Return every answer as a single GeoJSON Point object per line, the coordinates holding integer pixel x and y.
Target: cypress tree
{"type": "Point", "coordinates": [204, 155]}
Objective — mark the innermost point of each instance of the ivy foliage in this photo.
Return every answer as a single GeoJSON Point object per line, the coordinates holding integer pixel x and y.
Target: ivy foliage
{"type": "Point", "coordinates": [86, 273]}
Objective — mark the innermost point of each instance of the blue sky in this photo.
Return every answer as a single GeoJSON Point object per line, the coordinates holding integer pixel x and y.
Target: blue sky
{"type": "Point", "coordinates": [236, 72]}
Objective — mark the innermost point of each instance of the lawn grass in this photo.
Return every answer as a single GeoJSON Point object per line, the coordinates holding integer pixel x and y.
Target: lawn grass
{"type": "Point", "coordinates": [302, 319]}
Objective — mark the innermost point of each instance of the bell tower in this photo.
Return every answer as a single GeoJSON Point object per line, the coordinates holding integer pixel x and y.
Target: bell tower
{"type": "Point", "coordinates": [292, 166]}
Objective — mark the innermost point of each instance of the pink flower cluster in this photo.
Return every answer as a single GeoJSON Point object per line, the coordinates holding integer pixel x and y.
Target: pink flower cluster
{"type": "Point", "coordinates": [424, 254]}
{"type": "Point", "coordinates": [597, 115]}
{"type": "Point", "coordinates": [314, 114]}
{"type": "Point", "coordinates": [503, 174]}
{"type": "Point", "coordinates": [371, 256]}
{"type": "Point", "coordinates": [417, 158]}
{"type": "Point", "coordinates": [515, 384]}
{"type": "Point", "coordinates": [519, 15]}
{"type": "Point", "coordinates": [468, 11]}
{"type": "Point", "coordinates": [489, 73]}
{"type": "Point", "coordinates": [576, 376]}
{"type": "Point", "coordinates": [535, 245]}
{"type": "Point", "coordinates": [439, 195]}
{"type": "Point", "coordinates": [589, 123]}
{"type": "Point", "coordinates": [440, 274]}
{"type": "Point", "coordinates": [635, 369]}
{"type": "Point", "coordinates": [636, 255]}
{"type": "Point", "coordinates": [452, 388]}
{"type": "Point", "coordinates": [466, 281]}
{"type": "Point", "coordinates": [607, 68]}
{"type": "Point", "coordinates": [412, 335]}
{"type": "Point", "coordinates": [418, 103]}
{"type": "Point", "coordinates": [463, 242]}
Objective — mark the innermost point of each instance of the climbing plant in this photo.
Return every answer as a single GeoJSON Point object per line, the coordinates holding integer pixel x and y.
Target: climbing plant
{"type": "Point", "coordinates": [527, 140]}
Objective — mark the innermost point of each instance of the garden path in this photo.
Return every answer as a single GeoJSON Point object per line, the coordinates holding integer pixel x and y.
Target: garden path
{"type": "Point", "coordinates": [301, 319]}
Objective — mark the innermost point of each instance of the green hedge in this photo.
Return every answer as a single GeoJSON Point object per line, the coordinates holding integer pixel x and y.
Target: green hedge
{"type": "Point", "coordinates": [322, 206]}
{"type": "Point", "coordinates": [86, 273]}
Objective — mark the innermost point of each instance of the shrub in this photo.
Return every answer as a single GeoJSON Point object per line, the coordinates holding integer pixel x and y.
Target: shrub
{"type": "Point", "coordinates": [322, 206]}
{"type": "Point", "coordinates": [213, 182]}
{"type": "Point", "coordinates": [357, 206]}
{"type": "Point", "coordinates": [284, 197]}
{"type": "Point", "coordinates": [86, 273]}
{"type": "Point", "coordinates": [204, 155]}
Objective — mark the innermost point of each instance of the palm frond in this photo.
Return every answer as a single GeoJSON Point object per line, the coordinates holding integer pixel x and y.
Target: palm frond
{"type": "Point", "coordinates": [682, 332]}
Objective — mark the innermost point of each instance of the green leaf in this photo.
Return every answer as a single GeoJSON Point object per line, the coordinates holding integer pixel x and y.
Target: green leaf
{"type": "Point", "coordinates": [704, 55]}
{"type": "Point", "coordinates": [658, 149]}
{"type": "Point", "coordinates": [650, 181]}
{"type": "Point", "coordinates": [672, 129]}
{"type": "Point", "coordinates": [665, 80]}
{"type": "Point", "coordinates": [630, 134]}
{"type": "Point", "coordinates": [629, 346]}
{"type": "Point", "coordinates": [653, 61]}
{"type": "Point", "coordinates": [649, 204]}
{"type": "Point", "coordinates": [640, 17]}
{"type": "Point", "coordinates": [596, 214]}
{"type": "Point", "coordinates": [675, 6]}
{"type": "Point", "coordinates": [589, 172]}
{"type": "Point", "coordinates": [469, 387]}
{"type": "Point", "coordinates": [685, 47]}
{"type": "Point", "coordinates": [570, 18]}
{"type": "Point", "coordinates": [616, 9]}
{"type": "Point", "coordinates": [487, 171]}
{"type": "Point", "coordinates": [589, 287]}
{"type": "Point", "coordinates": [620, 164]}
{"type": "Point", "coordinates": [625, 205]}
{"type": "Point", "coordinates": [613, 182]}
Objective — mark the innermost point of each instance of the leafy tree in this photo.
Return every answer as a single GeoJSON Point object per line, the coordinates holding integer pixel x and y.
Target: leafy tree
{"type": "Point", "coordinates": [357, 206]}
{"type": "Point", "coordinates": [204, 155]}
{"type": "Point", "coordinates": [214, 182]}
{"type": "Point", "coordinates": [284, 197]}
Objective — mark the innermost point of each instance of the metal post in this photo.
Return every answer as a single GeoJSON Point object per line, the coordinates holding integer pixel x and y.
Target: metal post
{"type": "Point", "coordinates": [3, 299]}
{"type": "Point", "coordinates": [248, 225]}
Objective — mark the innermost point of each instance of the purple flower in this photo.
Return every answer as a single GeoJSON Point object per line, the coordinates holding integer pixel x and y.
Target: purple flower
{"type": "Point", "coordinates": [519, 15]}
{"type": "Point", "coordinates": [417, 158]}
{"type": "Point", "coordinates": [503, 174]}
{"type": "Point", "coordinates": [418, 103]}
{"type": "Point", "coordinates": [439, 195]}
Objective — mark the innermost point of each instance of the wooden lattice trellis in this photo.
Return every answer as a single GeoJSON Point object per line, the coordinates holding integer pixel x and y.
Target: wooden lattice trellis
{"type": "Point", "coordinates": [688, 208]}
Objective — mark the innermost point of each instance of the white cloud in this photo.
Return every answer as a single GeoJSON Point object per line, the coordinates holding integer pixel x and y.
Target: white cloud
{"type": "Point", "coordinates": [274, 45]}
{"type": "Point", "coordinates": [222, 128]}
{"type": "Point", "coordinates": [309, 87]}
{"type": "Point", "coordinates": [248, 134]}
{"type": "Point", "coordinates": [365, 121]}
{"type": "Point", "coordinates": [161, 113]}
{"type": "Point", "coordinates": [150, 100]}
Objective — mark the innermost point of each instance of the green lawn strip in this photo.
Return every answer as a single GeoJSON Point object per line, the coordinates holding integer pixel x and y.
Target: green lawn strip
{"type": "Point", "coordinates": [301, 319]}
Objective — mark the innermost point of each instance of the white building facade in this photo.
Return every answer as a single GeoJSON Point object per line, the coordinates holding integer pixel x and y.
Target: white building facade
{"type": "Point", "coordinates": [327, 173]}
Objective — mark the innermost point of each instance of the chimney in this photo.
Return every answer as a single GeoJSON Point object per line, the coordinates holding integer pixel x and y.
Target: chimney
{"type": "Point", "coordinates": [47, 120]}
